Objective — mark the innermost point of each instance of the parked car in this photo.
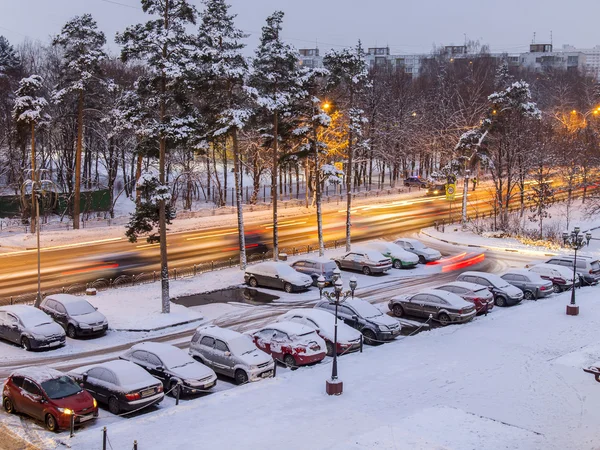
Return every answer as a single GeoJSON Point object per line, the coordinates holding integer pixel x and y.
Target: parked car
{"type": "Point", "coordinates": [29, 327]}
{"type": "Point", "coordinates": [587, 267]}
{"type": "Point", "coordinates": [276, 275]}
{"type": "Point", "coordinates": [375, 326]}
{"type": "Point", "coordinates": [120, 385]}
{"type": "Point", "coordinates": [415, 182]}
{"type": "Point", "coordinates": [424, 253]}
{"type": "Point", "coordinates": [436, 189]}
{"type": "Point", "coordinates": [505, 294]}
{"type": "Point", "coordinates": [177, 370]}
{"type": "Point", "coordinates": [532, 284]}
{"type": "Point", "coordinates": [49, 396]}
{"type": "Point", "coordinates": [316, 267]}
{"type": "Point", "coordinates": [477, 294]}
{"type": "Point", "coordinates": [443, 306]}
{"type": "Point", "coordinates": [231, 354]}
{"type": "Point", "coordinates": [367, 261]}
{"type": "Point", "coordinates": [560, 276]}
{"type": "Point", "coordinates": [348, 339]}
{"type": "Point", "coordinates": [401, 259]}
{"type": "Point", "coordinates": [75, 314]}
{"type": "Point", "coordinates": [291, 343]}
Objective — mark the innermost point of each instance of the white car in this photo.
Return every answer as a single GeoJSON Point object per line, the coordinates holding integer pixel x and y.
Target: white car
{"type": "Point", "coordinates": [348, 339]}
{"type": "Point", "coordinates": [424, 253]}
{"type": "Point", "coordinates": [401, 259]}
{"type": "Point", "coordinates": [561, 276]}
{"type": "Point", "coordinates": [277, 275]}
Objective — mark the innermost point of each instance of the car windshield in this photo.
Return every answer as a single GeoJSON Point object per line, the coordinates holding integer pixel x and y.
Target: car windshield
{"type": "Point", "coordinates": [365, 309]}
{"type": "Point", "coordinates": [286, 270]}
{"type": "Point", "coordinates": [60, 387]}
{"type": "Point", "coordinates": [241, 345]}
{"type": "Point", "coordinates": [497, 281]}
{"type": "Point", "coordinates": [329, 266]}
{"type": "Point", "coordinates": [34, 318]}
{"type": "Point", "coordinates": [79, 308]}
{"type": "Point", "coordinates": [417, 244]}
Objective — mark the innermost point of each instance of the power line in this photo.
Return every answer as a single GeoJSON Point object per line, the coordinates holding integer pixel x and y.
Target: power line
{"type": "Point", "coordinates": [122, 4]}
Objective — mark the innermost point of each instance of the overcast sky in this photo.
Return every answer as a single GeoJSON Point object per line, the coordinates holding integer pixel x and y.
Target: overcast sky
{"type": "Point", "coordinates": [406, 26]}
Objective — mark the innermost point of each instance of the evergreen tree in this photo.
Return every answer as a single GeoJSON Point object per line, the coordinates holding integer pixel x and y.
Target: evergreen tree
{"type": "Point", "coordinates": [9, 59]}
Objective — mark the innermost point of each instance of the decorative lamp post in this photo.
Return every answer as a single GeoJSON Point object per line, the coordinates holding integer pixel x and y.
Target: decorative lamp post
{"type": "Point", "coordinates": [337, 297]}
{"type": "Point", "coordinates": [575, 240]}
{"type": "Point", "coordinates": [321, 285]}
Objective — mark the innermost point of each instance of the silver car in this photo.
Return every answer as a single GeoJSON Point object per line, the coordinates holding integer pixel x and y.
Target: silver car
{"type": "Point", "coordinates": [29, 327]}
{"type": "Point", "coordinates": [316, 267]}
{"type": "Point", "coordinates": [424, 253]}
{"type": "Point", "coordinates": [231, 354]}
{"type": "Point", "coordinates": [367, 261]}
{"type": "Point", "coordinates": [531, 283]}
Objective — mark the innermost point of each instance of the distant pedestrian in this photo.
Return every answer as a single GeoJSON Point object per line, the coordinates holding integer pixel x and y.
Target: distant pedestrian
{"type": "Point", "coordinates": [474, 182]}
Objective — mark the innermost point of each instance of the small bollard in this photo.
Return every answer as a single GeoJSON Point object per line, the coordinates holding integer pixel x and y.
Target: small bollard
{"type": "Point", "coordinates": [361, 343]}
{"type": "Point", "coordinates": [72, 425]}
{"type": "Point", "coordinates": [274, 368]}
{"type": "Point", "coordinates": [104, 438]}
{"type": "Point", "coordinates": [134, 445]}
{"type": "Point", "coordinates": [177, 393]}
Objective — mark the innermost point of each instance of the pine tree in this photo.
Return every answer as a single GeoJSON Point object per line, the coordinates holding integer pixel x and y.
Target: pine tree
{"type": "Point", "coordinates": [163, 43]}
{"type": "Point", "coordinates": [9, 59]}
{"type": "Point", "coordinates": [81, 43]}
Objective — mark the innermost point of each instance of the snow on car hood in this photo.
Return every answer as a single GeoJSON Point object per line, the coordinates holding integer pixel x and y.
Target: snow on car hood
{"type": "Point", "coordinates": [93, 317]}
{"type": "Point", "coordinates": [383, 319]}
{"type": "Point", "coordinates": [255, 357]}
{"type": "Point", "coordinates": [511, 290]}
{"type": "Point", "coordinates": [405, 256]}
{"type": "Point", "coordinates": [192, 371]}
{"type": "Point", "coordinates": [297, 278]}
{"type": "Point", "coordinates": [431, 252]}
{"type": "Point", "coordinates": [48, 329]}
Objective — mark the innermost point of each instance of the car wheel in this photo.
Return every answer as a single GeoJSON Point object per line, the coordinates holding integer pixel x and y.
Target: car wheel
{"type": "Point", "coordinates": [597, 378]}
{"type": "Point", "coordinates": [369, 337]}
{"type": "Point", "coordinates": [397, 264]}
{"type": "Point", "coordinates": [329, 346]}
{"type": "Point", "coordinates": [290, 362]}
{"type": "Point", "coordinates": [422, 259]}
{"type": "Point", "coordinates": [252, 282]}
{"type": "Point", "coordinates": [287, 287]}
{"type": "Point", "coordinates": [241, 377]}
{"type": "Point", "coordinates": [25, 343]}
{"type": "Point", "coordinates": [444, 319]}
{"type": "Point", "coordinates": [8, 405]}
{"type": "Point", "coordinates": [500, 301]}
{"type": "Point", "coordinates": [51, 423]}
{"type": "Point", "coordinates": [398, 310]}
{"type": "Point", "coordinates": [71, 332]}
{"type": "Point", "coordinates": [556, 288]}
{"type": "Point", "coordinates": [366, 270]}
{"type": "Point", "coordinates": [113, 406]}
{"type": "Point", "coordinates": [528, 295]}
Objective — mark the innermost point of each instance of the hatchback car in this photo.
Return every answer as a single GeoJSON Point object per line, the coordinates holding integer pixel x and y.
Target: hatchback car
{"type": "Point", "coordinates": [401, 259]}
{"type": "Point", "coordinates": [316, 267]}
{"type": "Point", "coordinates": [532, 284]}
{"type": "Point", "coordinates": [366, 261]}
{"type": "Point", "coordinates": [291, 343]}
{"type": "Point", "coordinates": [348, 339]}
{"type": "Point", "coordinates": [443, 306]}
{"type": "Point", "coordinates": [29, 327]}
{"type": "Point", "coordinates": [560, 276]}
{"type": "Point", "coordinates": [436, 189]}
{"type": "Point", "coordinates": [277, 275]}
{"type": "Point", "coordinates": [178, 371]}
{"type": "Point", "coordinates": [231, 354]}
{"type": "Point", "coordinates": [477, 294]}
{"type": "Point", "coordinates": [505, 294]}
{"type": "Point", "coordinates": [424, 253]}
{"type": "Point", "coordinates": [120, 385]}
{"type": "Point", "coordinates": [587, 267]}
{"type": "Point", "coordinates": [49, 396]}
{"type": "Point", "coordinates": [375, 326]}
{"type": "Point", "coordinates": [75, 314]}
{"type": "Point", "coordinates": [415, 182]}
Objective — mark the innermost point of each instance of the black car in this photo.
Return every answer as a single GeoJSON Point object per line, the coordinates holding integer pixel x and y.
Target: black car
{"type": "Point", "coordinates": [29, 327]}
{"type": "Point", "coordinates": [121, 385]}
{"type": "Point", "coordinates": [588, 268]}
{"type": "Point", "coordinates": [75, 314]}
{"type": "Point", "coordinates": [276, 275]}
{"type": "Point", "coordinates": [415, 182]}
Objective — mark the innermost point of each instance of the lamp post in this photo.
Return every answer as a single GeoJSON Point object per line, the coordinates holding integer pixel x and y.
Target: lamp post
{"type": "Point", "coordinates": [464, 199]}
{"type": "Point", "coordinates": [575, 241]}
{"type": "Point", "coordinates": [334, 386]}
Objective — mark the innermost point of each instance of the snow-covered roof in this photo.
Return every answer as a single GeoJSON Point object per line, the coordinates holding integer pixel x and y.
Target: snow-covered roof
{"type": "Point", "coordinates": [466, 285]}
{"type": "Point", "coordinates": [29, 315]}
{"type": "Point", "coordinates": [518, 271]}
{"type": "Point", "coordinates": [38, 374]}
{"type": "Point", "coordinates": [157, 348]}
{"type": "Point", "coordinates": [318, 259]}
{"type": "Point", "coordinates": [66, 298]}
{"type": "Point", "coordinates": [445, 295]}
{"type": "Point", "coordinates": [318, 315]}
{"type": "Point", "coordinates": [224, 334]}
{"type": "Point", "coordinates": [291, 328]}
{"type": "Point", "coordinates": [19, 309]}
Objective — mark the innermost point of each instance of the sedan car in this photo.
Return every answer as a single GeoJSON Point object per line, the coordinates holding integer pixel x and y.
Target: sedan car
{"type": "Point", "coordinates": [436, 189]}
{"type": "Point", "coordinates": [401, 259]}
{"type": "Point", "coordinates": [444, 307]}
{"type": "Point", "coordinates": [290, 343]}
{"type": "Point", "coordinates": [49, 396]}
{"type": "Point", "coordinates": [121, 385]}
{"type": "Point", "coordinates": [532, 284]}
{"type": "Point", "coordinates": [424, 253]}
{"type": "Point", "coordinates": [505, 294]}
{"type": "Point", "coordinates": [316, 267]}
{"type": "Point", "coordinates": [348, 339]}
{"type": "Point", "coordinates": [231, 354]}
{"type": "Point", "coordinates": [415, 182]}
{"type": "Point", "coordinates": [477, 294]}
{"type": "Point", "coordinates": [375, 326]}
{"type": "Point", "coordinates": [277, 275]}
{"type": "Point", "coordinates": [367, 261]}
{"type": "Point", "coordinates": [75, 314]}
{"type": "Point", "coordinates": [178, 371]}
{"type": "Point", "coordinates": [29, 327]}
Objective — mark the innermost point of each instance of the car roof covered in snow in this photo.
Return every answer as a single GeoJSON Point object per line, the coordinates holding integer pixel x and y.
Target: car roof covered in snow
{"type": "Point", "coordinates": [38, 374]}
{"type": "Point", "coordinates": [21, 309]}
{"type": "Point", "coordinates": [448, 296]}
{"type": "Point", "coordinates": [466, 285]}
{"type": "Point", "coordinates": [318, 315]}
{"type": "Point", "coordinates": [158, 348]}
{"type": "Point", "coordinates": [214, 331]}
{"type": "Point", "coordinates": [291, 328]}
{"type": "Point", "coordinates": [127, 373]}
{"type": "Point", "coordinates": [66, 298]}
{"type": "Point", "coordinates": [318, 259]}
{"type": "Point", "coordinates": [520, 272]}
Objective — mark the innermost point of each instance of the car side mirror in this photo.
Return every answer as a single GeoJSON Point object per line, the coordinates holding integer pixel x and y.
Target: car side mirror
{"type": "Point", "coordinates": [96, 308]}
{"type": "Point", "coordinates": [354, 317]}
{"type": "Point", "coordinates": [276, 276]}
{"type": "Point", "coordinates": [227, 353]}
{"type": "Point", "coordinates": [84, 377]}
{"type": "Point", "coordinates": [160, 368]}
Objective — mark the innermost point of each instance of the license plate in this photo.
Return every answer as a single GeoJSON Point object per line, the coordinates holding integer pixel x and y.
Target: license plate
{"type": "Point", "coordinates": [266, 374]}
{"type": "Point", "coordinates": [147, 392]}
{"type": "Point", "coordinates": [54, 344]}
{"type": "Point", "coordinates": [209, 385]}
{"type": "Point", "coordinates": [86, 418]}
{"type": "Point", "coordinates": [97, 328]}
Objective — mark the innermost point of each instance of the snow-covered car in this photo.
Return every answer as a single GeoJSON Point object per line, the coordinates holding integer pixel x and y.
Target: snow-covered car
{"type": "Point", "coordinates": [177, 370]}
{"type": "Point", "coordinates": [364, 260]}
{"type": "Point", "coordinates": [444, 307]}
{"type": "Point", "coordinates": [231, 354]}
{"type": "Point", "coordinates": [531, 283]}
{"type": "Point", "coordinates": [348, 339]}
{"type": "Point", "coordinates": [401, 259]}
{"type": "Point", "coordinates": [75, 314]}
{"type": "Point", "coordinates": [477, 294]}
{"type": "Point", "coordinates": [277, 275]}
{"type": "Point", "coordinates": [560, 276]}
{"type": "Point", "coordinates": [375, 326]}
{"type": "Point", "coordinates": [291, 343]}
{"type": "Point", "coordinates": [316, 267]}
{"type": "Point", "coordinates": [29, 327]}
{"type": "Point", "coordinates": [505, 294]}
{"type": "Point", "coordinates": [424, 253]}
{"type": "Point", "coordinates": [120, 385]}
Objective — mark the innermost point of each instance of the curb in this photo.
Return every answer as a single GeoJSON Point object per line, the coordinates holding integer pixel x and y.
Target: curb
{"type": "Point", "coordinates": [147, 330]}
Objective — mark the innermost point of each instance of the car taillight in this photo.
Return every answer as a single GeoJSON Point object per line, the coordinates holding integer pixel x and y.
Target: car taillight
{"type": "Point", "coordinates": [591, 271]}
{"type": "Point", "coordinates": [135, 396]}
{"type": "Point", "coordinates": [300, 350]}
{"type": "Point", "coordinates": [543, 288]}
{"type": "Point", "coordinates": [476, 299]}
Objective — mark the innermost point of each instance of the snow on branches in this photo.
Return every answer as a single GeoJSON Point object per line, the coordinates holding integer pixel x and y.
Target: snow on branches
{"type": "Point", "coordinates": [28, 106]}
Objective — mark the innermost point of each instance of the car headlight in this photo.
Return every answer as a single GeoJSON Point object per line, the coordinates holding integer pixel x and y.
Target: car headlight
{"type": "Point", "coordinates": [84, 325]}
{"type": "Point", "coordinates": [95, 402]}
{"type": "Point", "coordinates": [253, 367]}
{"type": "Point", "coordinates": [383, 328]}
{"type": "Point", "coordinates": [66, 411]}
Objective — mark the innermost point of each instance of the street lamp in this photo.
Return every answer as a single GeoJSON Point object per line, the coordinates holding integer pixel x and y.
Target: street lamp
{"type": "Point", "coordinates": [337, 297]}
{"type": "Point", "coordinates": [576, 242]}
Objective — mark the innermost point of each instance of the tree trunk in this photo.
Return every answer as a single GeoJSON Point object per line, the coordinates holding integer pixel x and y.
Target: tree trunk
{"type": "Point", "coordinates": [349, 187]}
{"type": "Point", "coordinates": [238, 199]}
{"type": "Point", "coordinates": [138, 174]}
{"type": "Point", "coordinates": [77, 196]}
{"type": "Point", "coordinates": [318, 194]}
{"type": "Point", "coordinates": [274, 192]}
{"type": "Point", "coordinates": [33, 217]}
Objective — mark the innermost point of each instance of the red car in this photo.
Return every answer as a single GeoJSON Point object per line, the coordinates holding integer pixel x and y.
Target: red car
{"type": "Point", "coordinates": [48, 395]}
{"type": "Point", "coordinates": [291, 343]}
